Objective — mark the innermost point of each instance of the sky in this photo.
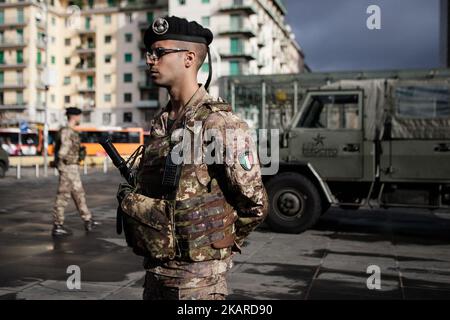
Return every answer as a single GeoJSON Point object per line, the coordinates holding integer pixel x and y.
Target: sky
{"type": "Point", "coordinates": [334, 34]}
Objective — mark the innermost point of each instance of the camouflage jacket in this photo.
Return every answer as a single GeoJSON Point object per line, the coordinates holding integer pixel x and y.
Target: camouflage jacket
{"type": "Point", "coordinates": [233, 190]}
{"type": "Point", "coordinates": [67, 146]}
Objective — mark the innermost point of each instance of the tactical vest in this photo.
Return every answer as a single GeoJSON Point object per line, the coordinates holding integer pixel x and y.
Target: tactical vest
{"type": "Point", "coordinates": [73, 153]}
{"type": "Point", "coordinates": [199, 222]}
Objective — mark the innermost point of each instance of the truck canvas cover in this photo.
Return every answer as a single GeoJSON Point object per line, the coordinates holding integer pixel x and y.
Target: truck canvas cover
{"type": "Point", "coordinates": [402, 109]}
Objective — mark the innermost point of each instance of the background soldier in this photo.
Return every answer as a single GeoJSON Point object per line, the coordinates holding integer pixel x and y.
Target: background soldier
{"type": "Point", "coordinates": [189, 219]}
{"type": "Point", "coordinates": [68, 154]}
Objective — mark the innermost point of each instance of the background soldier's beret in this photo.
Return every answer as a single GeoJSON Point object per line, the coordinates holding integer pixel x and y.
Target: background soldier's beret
{"type": "Point", "coordinates": [73, 111]}
{"type": "Point", "coordinates": [175, 28]}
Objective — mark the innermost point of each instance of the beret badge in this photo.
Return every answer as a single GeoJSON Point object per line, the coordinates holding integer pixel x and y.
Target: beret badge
{"type": "Point", "coordinates": [160, 26]}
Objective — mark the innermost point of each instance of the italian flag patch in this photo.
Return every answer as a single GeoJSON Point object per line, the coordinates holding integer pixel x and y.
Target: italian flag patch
{"type": "Point", "coordinates": [246, 161]}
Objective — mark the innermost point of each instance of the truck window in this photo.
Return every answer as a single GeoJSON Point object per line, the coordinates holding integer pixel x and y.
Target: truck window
{"type": "Point", "coordinates": [332, 111]}
{"type": "Point", "coordinates": [419, 102]}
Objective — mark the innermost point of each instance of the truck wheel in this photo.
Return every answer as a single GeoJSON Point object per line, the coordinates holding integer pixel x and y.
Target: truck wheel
{"type": "Point", "coordinates": [2, 170]}
{"type": "Point", "coordinates": [295, 203]}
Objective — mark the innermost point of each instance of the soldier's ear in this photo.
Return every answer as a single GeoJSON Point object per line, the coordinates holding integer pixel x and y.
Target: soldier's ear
{"type": "Point", "coordinates": [189, 59]}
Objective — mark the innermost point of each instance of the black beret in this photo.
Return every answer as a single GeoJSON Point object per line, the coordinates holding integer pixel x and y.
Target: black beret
{"type": "Point", "coordinates": [73, 111]}
{"type": "Point", "coordinates": [175, 28]}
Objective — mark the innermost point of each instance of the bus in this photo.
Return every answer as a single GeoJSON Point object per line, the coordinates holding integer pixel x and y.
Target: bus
{"type": "Point", "coordinates": [126, 140]}
{"type": "Point", "coordinates": [16, 143]}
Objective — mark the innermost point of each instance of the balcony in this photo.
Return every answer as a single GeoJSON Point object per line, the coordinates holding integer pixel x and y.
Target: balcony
{"type": "Point", "coordinates": [7, 23]}
{"type": "Point", "coordinates": [147, 104]}
{"type": "Point", "coordinates": [86, 105]}
{"type": "Point", "coordinates": [13, 106]}
{"type": "Point", "coordinates": [234, 7]}
{"type": "Point", "coordinates": [85, 89]}
{"type": "Point", "coordinates": [13, 85]}
{"type": "Point", "coordinates": [143, 25]}
{"type": "Point", "coordinates": [41, 44]}
{"type": "Point", "coordinates": [142, 64]}
{"type": "Point", "coordinates": [245, 30]}
{"type": "Point", "coordinates": [85, 68]}
{"type": "Point", "coordinates": [12, 43]}
{"type": "Point", "coordinates": [139, 5]}
{"type": "Point", "coordinates": [243, 52]}
{"type": "Point", "coordinates": [89, 49]}
{"type": "Point", "coordinates": [15, 65]}
{"type": "Point", "coordinates": [85, 30]}
{"type": "Point", "coordinates": [146, 85]}
{"type": "Point", "coordinates": [284, 43]}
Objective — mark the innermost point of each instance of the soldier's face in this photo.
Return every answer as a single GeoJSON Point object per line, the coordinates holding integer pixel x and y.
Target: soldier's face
{"type": "Point", "coordinates": [76, 119]}
{"type": "Point", "coordinates": [167, 69]}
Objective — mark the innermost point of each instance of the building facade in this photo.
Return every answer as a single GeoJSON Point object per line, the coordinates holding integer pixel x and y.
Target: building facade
{"type": "Point", "coordinates": [90, 54]}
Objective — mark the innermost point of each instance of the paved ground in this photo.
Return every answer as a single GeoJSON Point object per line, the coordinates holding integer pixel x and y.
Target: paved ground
{"type": "Point", "coordinates": [328, 262]}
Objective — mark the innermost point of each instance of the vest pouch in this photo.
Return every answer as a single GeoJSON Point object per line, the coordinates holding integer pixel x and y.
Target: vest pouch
{"type": "Point", "coordinates": [148, 227]}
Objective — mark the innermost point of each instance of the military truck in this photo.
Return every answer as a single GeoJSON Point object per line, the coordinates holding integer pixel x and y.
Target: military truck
{"type": "Point", "coordinates": [363, 143]}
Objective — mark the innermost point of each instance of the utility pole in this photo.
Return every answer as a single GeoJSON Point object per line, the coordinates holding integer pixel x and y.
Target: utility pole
{"type": "Point", "coordinates": [47, 38]}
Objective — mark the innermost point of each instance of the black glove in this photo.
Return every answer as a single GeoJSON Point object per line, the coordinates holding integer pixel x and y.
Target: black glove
{"type": "Point", "coordinates": [124, 190]}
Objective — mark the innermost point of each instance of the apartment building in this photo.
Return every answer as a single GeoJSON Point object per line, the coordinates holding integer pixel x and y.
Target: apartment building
{"type": "Point", "coordinates": [90, 54]}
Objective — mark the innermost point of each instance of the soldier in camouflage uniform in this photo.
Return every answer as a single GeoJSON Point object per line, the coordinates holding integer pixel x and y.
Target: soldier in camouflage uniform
{"type": "Point", "coordinates": [189, 219]}
{"type": "Point", "coordinates": [68, 154]}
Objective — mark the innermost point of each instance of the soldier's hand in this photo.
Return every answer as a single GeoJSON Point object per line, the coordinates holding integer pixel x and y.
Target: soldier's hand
{"type": "Point", "coordinates": [123, 191]}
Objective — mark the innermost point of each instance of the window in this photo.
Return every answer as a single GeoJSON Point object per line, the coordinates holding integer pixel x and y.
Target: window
{"type": "Point", "coordinates": [107, 19]}
{"type": "Point", "coordinates": [2, 77]}
{"type": "Point", "coordinates": [19, 95]}
{"type": "Point", "coordinates": [67, 42]}
{"type": "Point", "coordinates": [108, 58]}
{"type": "Point", "coordinates": [91, 3]}
{"type": "Point", "coordinates": [128, 77]}
{"type": "Point", "coordinates": [66, 99]}
{"type": "Point", "coordinates": [129, 17]}
{"type": "Point", "coordinates": [39, 57]}
{"type": "Point", "coordinates": [19, 55]}
{"type": "Point", "coordinates": [205, 1]}
{"type": "Point", "coordinates": [205, 67]}
{"type": "Point", "coordinates": [86, 117]}
{"type": "Point", "coordinates": [20, 17]}
{"type": "Point", "coordinates": [53, 59]}
{"type": "Point", "coordinates": [181, 2]}
{"type": "Point", "coordinates": [111, 3]}
{"type": "Point", "coordinates": [235, 68]}
{"type": "Point", "coordinates": [90, 82]}
{"type": "Point", "coordinates": [150, 17]}
{"type": "Point", "coordinates": [20, 35]}
{"type": "Point", "coordinates": [107, 78]}
{"type": "Point", "coordinates": [106, 119]}
{"type": "Point", "coordinates": [53, 21]}
{"type": "Point", "coordinates": [107, 97]}
{"type": "Point", "coordinates": [127, 117]}
{"type": "Point", "coordinates": [332, 111]}
{"type": "Point", "coordinates": [205, 21]}
{"type": "Point", "coordinates": [128, 57]}
{"type": "Point", "coordinates": [235, 46]}
{"type": "Point", "coordinates": [108, 39]}
{"type": "Point", "coordinates": [67, 61]}
{"type": "Point", "coordinates": [128, 97]}
{"type": "Point", "coordinates": [128, 37]}
{"type": "Point", "coordinates": [66, 80]}
{"type": "Point", "coordinates": [418, 102]}
{"type": "Point", "coordinates": [2, 57]}
{"type": "Point", "coordinates": [52, 99]}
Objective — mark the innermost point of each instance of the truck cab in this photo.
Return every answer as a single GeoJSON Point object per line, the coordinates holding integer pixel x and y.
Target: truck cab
{"type": "Point", "coordinates": [355, 143]}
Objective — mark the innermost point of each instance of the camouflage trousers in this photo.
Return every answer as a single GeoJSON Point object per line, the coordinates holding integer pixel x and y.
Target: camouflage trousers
{"type": "Point", "coordinates": [158, 287]}
{"type": "Point", "coordinates": [70, 185]}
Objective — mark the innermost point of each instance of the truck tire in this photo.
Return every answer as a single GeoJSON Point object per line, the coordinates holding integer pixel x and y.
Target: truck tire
{"type": "Point", "coordinates": [2, 170]}
{"type": "Point", "coordinates": [295, 203]}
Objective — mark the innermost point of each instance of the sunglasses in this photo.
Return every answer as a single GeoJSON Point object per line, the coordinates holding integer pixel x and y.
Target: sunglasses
{"type": "Point", "coordinates": [157, 53]}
